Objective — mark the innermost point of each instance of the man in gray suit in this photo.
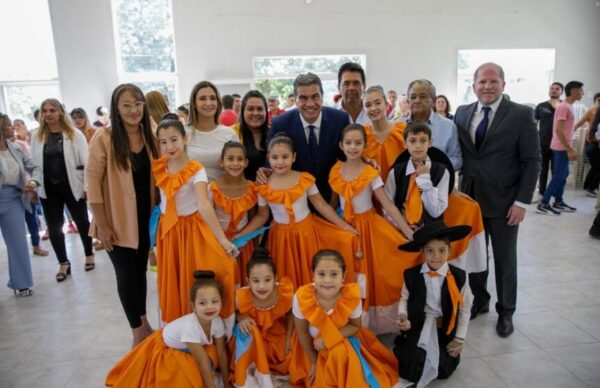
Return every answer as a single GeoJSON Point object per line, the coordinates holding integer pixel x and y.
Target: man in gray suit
{"type": "Point", "coordinates": [501, 163]}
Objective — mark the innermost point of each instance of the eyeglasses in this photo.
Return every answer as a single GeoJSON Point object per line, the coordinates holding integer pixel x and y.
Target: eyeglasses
{"type": "Point", "coordinates": [127, 107]}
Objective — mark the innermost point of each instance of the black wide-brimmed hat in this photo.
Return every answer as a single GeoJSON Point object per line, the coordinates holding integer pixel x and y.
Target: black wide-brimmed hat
{"type": "Point", "coordinates": [434, 230]}
{"type": "Point", "coordinates": [435, 155]}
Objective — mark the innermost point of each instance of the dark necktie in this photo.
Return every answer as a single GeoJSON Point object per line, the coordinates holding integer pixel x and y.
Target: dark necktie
{"type": "Point", "coordinates": [312, 143]}
{"type": "Point", "coordinates": [482, 127]}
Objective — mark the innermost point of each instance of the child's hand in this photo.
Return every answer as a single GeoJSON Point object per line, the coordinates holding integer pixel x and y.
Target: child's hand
{"type": "Point", "coordinates": [455, 347]}
{"type": "Point", "coordinates": [229, 248]}
{"type": "Point", "coordinates": [319, 344]}
{"type": "Point", "coordinates": [421, 168]}
{"type": "Point", "coordinates": [403, 323]}
{"type": "Point", "coordinates": [245, 325]}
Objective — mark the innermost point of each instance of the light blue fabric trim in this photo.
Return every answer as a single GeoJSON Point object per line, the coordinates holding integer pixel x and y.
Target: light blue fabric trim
{"type": "Point", "coordinates": [242, 343]}
{"type": "Point", "coordinates": [367, 372]}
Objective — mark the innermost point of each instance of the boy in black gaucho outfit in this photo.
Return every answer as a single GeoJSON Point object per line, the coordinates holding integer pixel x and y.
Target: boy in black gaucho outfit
{"type": "Point", "coordinates": [434, 310]}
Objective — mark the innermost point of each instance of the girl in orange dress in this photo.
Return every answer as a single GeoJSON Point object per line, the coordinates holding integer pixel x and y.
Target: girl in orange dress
{"type": "Point", "coordinates": [186, 352]}
{"type": "Point", "coordinates": [296, 235]}
{"type": "Point", "coordinates": [234, 197]}
{"type": "Point", "coordinates": [189, 235]}
{"type": "Point", "coordinates": [384, 138]}
{"type": "Point", "coordinates": [262, 337]}
{"type": "Point", "coordinates": [356, 182]}
{"type": "Point", "coordinates": [331, 348]}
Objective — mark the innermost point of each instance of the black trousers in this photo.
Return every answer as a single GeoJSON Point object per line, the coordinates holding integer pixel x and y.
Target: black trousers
{"type": "Point", "coordinates": [130, 270]}
{"type": "Point", "coordinates": [57, 196]}
{"type": "Point", "coordinates": [546, 168]}
{"type": "Point", "coordinates": [504, 246]}
{"type": "Point", "coordinates": [592, 179]}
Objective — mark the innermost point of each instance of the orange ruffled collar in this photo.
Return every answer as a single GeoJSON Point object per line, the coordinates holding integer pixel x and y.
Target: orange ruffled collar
{"type": "Point", "coordinates": [349, 189]}
{"type": "Point", "coordinates": [345, 305]}
{"type": "Point", "coordinates": [171, 183]}
{"type": "Point", "coordinates": [266, 317]}
{"type": "Point", "coordinates": [235, 207]}
{"type": "Point", "coordinates": [287, 197]}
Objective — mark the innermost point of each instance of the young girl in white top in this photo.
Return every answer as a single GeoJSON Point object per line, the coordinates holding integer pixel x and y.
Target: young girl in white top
{"type": "Point", "coordinates": [380, 271]}
{"type": "Point", "coordinates": [331, 349]}
{"type": "Point", "coordinates": [189, 235]}
{"type": "Point", "coordinates": [187, 352]}
{"type": "Point", "coordinates": [234, 197]}
{"type": "Point", "coordinates": [296, 235]}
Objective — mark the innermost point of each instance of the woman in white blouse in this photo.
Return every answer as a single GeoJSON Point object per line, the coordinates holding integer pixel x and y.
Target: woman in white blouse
{"type": "Point", "coordinates": [61, 151]}
{"type": "Point", "coordinates": [206, 136]}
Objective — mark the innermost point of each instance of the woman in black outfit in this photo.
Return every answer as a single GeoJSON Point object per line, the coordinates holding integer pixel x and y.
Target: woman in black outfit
{"type": "Point", "coordinates": [252, 131]}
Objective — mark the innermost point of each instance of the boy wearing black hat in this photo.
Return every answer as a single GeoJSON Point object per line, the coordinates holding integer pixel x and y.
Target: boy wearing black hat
{"type": "Point", "coordinates": [421, 178]}
{"type": "Point", "coordinates": [434, 310]}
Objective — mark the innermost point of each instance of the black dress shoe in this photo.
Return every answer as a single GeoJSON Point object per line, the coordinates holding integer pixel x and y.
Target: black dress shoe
{"type": "Point", "coordinates": [477, 309]}
{"type": "Point", "coordinates": [504, 327]}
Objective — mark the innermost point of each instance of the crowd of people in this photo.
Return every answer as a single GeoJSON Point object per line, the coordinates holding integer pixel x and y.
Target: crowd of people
{"type": "Point", "coordinates": [288, 239]}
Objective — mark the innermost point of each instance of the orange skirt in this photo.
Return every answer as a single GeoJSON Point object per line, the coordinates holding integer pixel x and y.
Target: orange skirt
{"type": "Point", "coordinates": [292, 247]}
{"type": "Point", "coordinates": [470, 253]}
{"type": "Point", "coordinates": [382, 260]}
{"type": "Point", "coordinates": [153, 364]}
{"type": "Point", "coordinates": [264, 353]}
{"type": "Point", "coordinates": [189, 246]}
{"type": "Point", "coordinates": [340, 366]}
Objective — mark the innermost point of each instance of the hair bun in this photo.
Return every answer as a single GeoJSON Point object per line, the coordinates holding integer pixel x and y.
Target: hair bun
{"type": "Point", "coordinates": [169, 116]}
{"type": "Point", "coordinates": [204, 275]}
{"type": "Point", "coordinates": [260, 253]}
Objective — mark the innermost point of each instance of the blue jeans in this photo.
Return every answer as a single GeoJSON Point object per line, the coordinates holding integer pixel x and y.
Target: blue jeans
{"type": "Point", "coordinates": [560, 172]}
{"type": "Point", "coordinates": [12, 225]}
{"type": "Point", "coordinates": [33, 225]}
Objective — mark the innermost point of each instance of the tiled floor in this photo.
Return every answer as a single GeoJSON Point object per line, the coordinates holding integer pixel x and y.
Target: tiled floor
{"type": "Point", "coordinates": [70, 334]}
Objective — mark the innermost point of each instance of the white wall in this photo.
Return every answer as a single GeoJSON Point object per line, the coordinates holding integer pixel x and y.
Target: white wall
{"type": "Point", "coordinates": [216, 40]}
{"type": "Point", "coordinates": [85, 52]}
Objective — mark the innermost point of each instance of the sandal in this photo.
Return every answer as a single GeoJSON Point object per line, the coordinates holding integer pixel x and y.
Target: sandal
{"type": "Point", "coordinates": [39, 251]}
{"type": "Point", "coordinates": [24, 292]}
{"type": "Point", "coordinates": [62, 276]}
{"type": "Point", "coordinates": [89, 265]}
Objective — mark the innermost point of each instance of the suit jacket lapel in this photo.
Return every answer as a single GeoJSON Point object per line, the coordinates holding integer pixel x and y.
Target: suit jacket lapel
{"type": "Point", "coordinates": [466, 128]}
{"type": "Point", "coordinates": [498, 116]}
{"type": "Point", "coordinates": [299, 136]}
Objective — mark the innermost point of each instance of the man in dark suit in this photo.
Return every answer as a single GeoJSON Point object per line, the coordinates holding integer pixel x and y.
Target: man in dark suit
{"type": "Point", "coordinates": [501, 163]}
{"type": "Point", "coordinates": [315, 130]}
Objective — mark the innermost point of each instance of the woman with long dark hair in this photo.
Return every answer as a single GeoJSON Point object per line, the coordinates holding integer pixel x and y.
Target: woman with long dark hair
{"type": "Point", "coordinates": [121, 194]}
{"type": "Point", "coordinates": [252, 131]}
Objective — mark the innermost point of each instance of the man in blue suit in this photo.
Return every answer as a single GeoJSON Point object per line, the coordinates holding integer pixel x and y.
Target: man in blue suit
{"type": "Point", "coordinates": [315, 130]}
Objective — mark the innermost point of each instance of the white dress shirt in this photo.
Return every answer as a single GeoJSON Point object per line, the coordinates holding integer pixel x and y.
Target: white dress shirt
{"type": "Point", "coordinates": [316, 124]}
{"type": "Point", "coordinates": [478, 116]}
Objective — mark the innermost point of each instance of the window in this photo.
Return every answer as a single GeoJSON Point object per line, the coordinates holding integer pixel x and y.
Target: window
{"type": "Point", "coordinates": [528, 73]}
{"type": "Point", "coordinates": [274, 76]}
{"type": "Point", "coordinates": [29, 75]}
{"type": "Point", "coordinates": [145, 44]}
